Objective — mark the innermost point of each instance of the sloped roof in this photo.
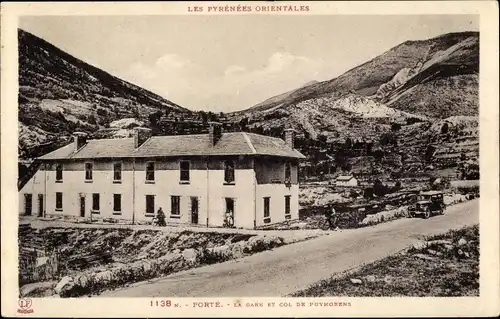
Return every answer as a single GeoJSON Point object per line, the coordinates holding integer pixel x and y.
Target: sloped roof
{"type": "Point", "coordinates": [345, 178]}
{"type": "Point", "coordinates": [238, 143]}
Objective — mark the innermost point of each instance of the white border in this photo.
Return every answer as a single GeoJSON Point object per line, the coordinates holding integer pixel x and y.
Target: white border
{"type": "Point", "coordinates": [485, 305]}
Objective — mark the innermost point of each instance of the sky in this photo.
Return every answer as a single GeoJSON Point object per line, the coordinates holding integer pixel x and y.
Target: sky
{"type": "Point", "coordinates": [229, 63]}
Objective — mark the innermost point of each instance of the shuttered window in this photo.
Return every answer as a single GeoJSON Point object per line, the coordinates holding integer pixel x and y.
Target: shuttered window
{"type": "Point", "coordinates": [117, 203]}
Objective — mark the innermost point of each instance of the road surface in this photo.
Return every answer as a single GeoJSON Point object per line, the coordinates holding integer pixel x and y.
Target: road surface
{"type": "Point", "coordinates": [289, 268]}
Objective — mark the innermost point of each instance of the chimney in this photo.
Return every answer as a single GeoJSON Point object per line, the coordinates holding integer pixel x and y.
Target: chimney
{"type": "Point", "coordinates": [214, 132]}
{"type": "Point", "coordinates": [290, 137]}
{"type": "Point", "coordinates": [79, 140]}
{"type": "Point", "coordinates": [141, 134]}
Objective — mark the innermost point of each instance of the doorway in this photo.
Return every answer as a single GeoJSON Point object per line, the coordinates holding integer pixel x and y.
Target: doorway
{"type": "Point", "coordinates": [40, 205]}
{"type": "Point", "coordinates": [194, 210]}
{"type": "Point", "coordinates": [28, 204]}
{"type": "Point", "coordinates": [229, 213]}
{"type": "Point", "coordinates": [82, 206]}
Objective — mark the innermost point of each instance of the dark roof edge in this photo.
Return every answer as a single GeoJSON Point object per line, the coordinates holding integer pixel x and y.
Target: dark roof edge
{"type": "Point", "coordinates": [159, 156]}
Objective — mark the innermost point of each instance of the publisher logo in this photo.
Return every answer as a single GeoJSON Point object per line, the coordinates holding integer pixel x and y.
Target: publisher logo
{"type": "Point", "coordinates": [25, 305]}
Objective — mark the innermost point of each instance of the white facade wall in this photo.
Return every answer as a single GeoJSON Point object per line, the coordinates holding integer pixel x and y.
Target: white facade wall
{"type": "Point", "coordinates": [276, 193]}
{"type": "Point", "coordinates": [206, 184]}
{"type": "Point", "coordinates": [242, 192]}
{"type": "Point", "coordinates": [35, 186]}
{"type": "Point", "coordinates": [74, 187]}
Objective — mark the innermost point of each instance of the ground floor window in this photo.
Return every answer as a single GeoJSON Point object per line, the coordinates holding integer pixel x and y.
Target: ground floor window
{"type": "Point", "coordinates": [96, 199]}
{"type": "Point", "coordinates": [150, 205]}
{"type": "Point", "coordinates": [117, 204]}
{"type": "Point", "coordinates": [287, 207]}
{"type": "Point", "coordinates": [175, 206]}
{"type": "Point", "coordinates": [28, 204]}
{"type": "Point", "coordinates": [267, 210]}
{"type": "Point", "coordinates": [59, 201]}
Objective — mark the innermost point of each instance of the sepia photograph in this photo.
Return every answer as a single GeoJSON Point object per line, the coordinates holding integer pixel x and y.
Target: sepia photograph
{"type": "Point", "coordinates": [211, 155]}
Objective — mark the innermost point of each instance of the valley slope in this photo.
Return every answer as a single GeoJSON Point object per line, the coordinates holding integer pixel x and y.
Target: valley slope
{"type": "Point", "coordinates": [60, 94]}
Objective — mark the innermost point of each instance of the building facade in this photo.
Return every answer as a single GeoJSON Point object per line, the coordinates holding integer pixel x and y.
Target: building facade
{"type": "Point", "coordinates": [195, 179]}
{"type": "Point", "coordinates": [346, 181]}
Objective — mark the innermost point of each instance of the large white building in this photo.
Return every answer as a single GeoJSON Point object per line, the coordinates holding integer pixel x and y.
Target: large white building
{"type": "Point", "coordinates": [195, 179]}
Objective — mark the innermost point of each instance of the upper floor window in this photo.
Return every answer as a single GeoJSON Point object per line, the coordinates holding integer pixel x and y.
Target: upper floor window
{"type": "Point", "coordinates": [88, 171]}
{"type": "Point", "coordinates": [150, 172]}
{"type": "Point", "coordinates": [117, 172]}
{"type": "Point", "coordinates": [288, 171]}
{"type": "Point", "coordinates": [184, 167]}
{"type": "Point", "coordinates": [59, 173]}
{"type": "Point", "coordinates": [229, 171]}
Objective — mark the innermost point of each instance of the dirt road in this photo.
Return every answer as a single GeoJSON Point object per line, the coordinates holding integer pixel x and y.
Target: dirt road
{"type": "Point", "coordinates": [293, 267]}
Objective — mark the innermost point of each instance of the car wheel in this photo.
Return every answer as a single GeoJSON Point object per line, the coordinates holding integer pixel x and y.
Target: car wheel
{"type": "Point", "coordinates": [427, 213]}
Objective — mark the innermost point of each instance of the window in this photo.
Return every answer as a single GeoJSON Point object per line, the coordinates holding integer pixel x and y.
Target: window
{"type": "Point", "coordinates": [117, 172]}
{"type": "Point", "coordinates": [229, 171]}
{"type": "Point", "coordinates": [287, 206]}
{"type": "Point", "coordinates": [117, 204]}
{"type": "Point", "coordinates": [184, 166]}
{"type": "Point", "coordinates": [267, 213]}
{"type": "Point", "coordinates": [175, 209]}
{"type": "Point", "coordinates": [95, 202]}
{"type": "Point", "coordinates": [28, 204]}
{"type": "Point", "coordinates": [150, 205]}
{"type": "Point", "coordinates": [288, 171]}
{"type": "Point", "coordinates": [150, 172]}
{"type": "Point", "coordinates": [59, 201]}
{"type": "Point", "coordinates": [88, 171]}
{"type": "Point", "coordinates": [59, 173]}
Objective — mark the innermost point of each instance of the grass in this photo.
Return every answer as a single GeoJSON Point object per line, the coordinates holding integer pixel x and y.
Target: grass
{"type": "Point", "coordinates": [446, 266]}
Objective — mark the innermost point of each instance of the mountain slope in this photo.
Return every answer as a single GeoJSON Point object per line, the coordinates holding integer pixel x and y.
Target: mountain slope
{"type": "Point", "coordinates": [446, 63]}
{"type": "Point", "coordinates": [59, 94]}
{"type": "Point", "coordinates": [413, 108]}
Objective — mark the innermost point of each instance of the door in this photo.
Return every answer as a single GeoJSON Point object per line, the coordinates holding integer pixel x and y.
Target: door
{"type": "Point", "coordinates": [194, 210]}
{"type": "Point", "coordinates": [28, 203]}
{"type": "Point", "coordinates": [229, 213]}
{"type": "Point", "coordinates": [82, 206]}
{"type": "Point", "coordinates": [40, 205]}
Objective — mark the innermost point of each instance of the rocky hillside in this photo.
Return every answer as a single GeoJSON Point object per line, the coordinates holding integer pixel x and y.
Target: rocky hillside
{"type": "Point", "coordinates": [416, 76]}
{"type": "Point", "coordinates": [59, 94]}
{"type": "Point", "coordinates": [412, 109]}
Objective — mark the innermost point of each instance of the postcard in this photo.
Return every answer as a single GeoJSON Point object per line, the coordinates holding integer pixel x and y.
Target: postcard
{"type": "Point", "coordinates": [244, 159]}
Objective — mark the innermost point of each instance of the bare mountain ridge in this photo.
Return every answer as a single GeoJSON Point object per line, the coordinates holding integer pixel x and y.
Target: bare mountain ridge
{"type": "Point", "coordinates": [452, 57]}
{"type": "Point", "coordinates": [398, 107]}
{"type": "Point", "coordinates": [59, 94]}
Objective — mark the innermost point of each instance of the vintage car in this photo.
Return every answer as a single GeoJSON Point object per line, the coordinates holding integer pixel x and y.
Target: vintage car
{"type": "Point", "coordinates": [428, 204]}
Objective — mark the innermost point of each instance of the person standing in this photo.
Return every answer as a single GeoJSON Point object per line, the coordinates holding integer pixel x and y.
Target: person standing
{"type": "Point", "coordinates": [160, 217]}
{"type": "Point", "coordinates": [332, 218]}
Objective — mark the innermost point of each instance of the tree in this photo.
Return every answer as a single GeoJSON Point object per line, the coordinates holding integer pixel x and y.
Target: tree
{"type": "Point", "coordinates": [322, 139]}
{"type": "Point", "coordinates": [348, 143]}
{"type": "Point", "coordinates": [445, 128]}
{"type": "Point", "coordinates": [429, 153]}
{"type": "Point", "coordinates": [395, 127]}
{"type": "Point", "coordinates": [154, 118]}
{"type": "Point", "coordinates": [368, 193]}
